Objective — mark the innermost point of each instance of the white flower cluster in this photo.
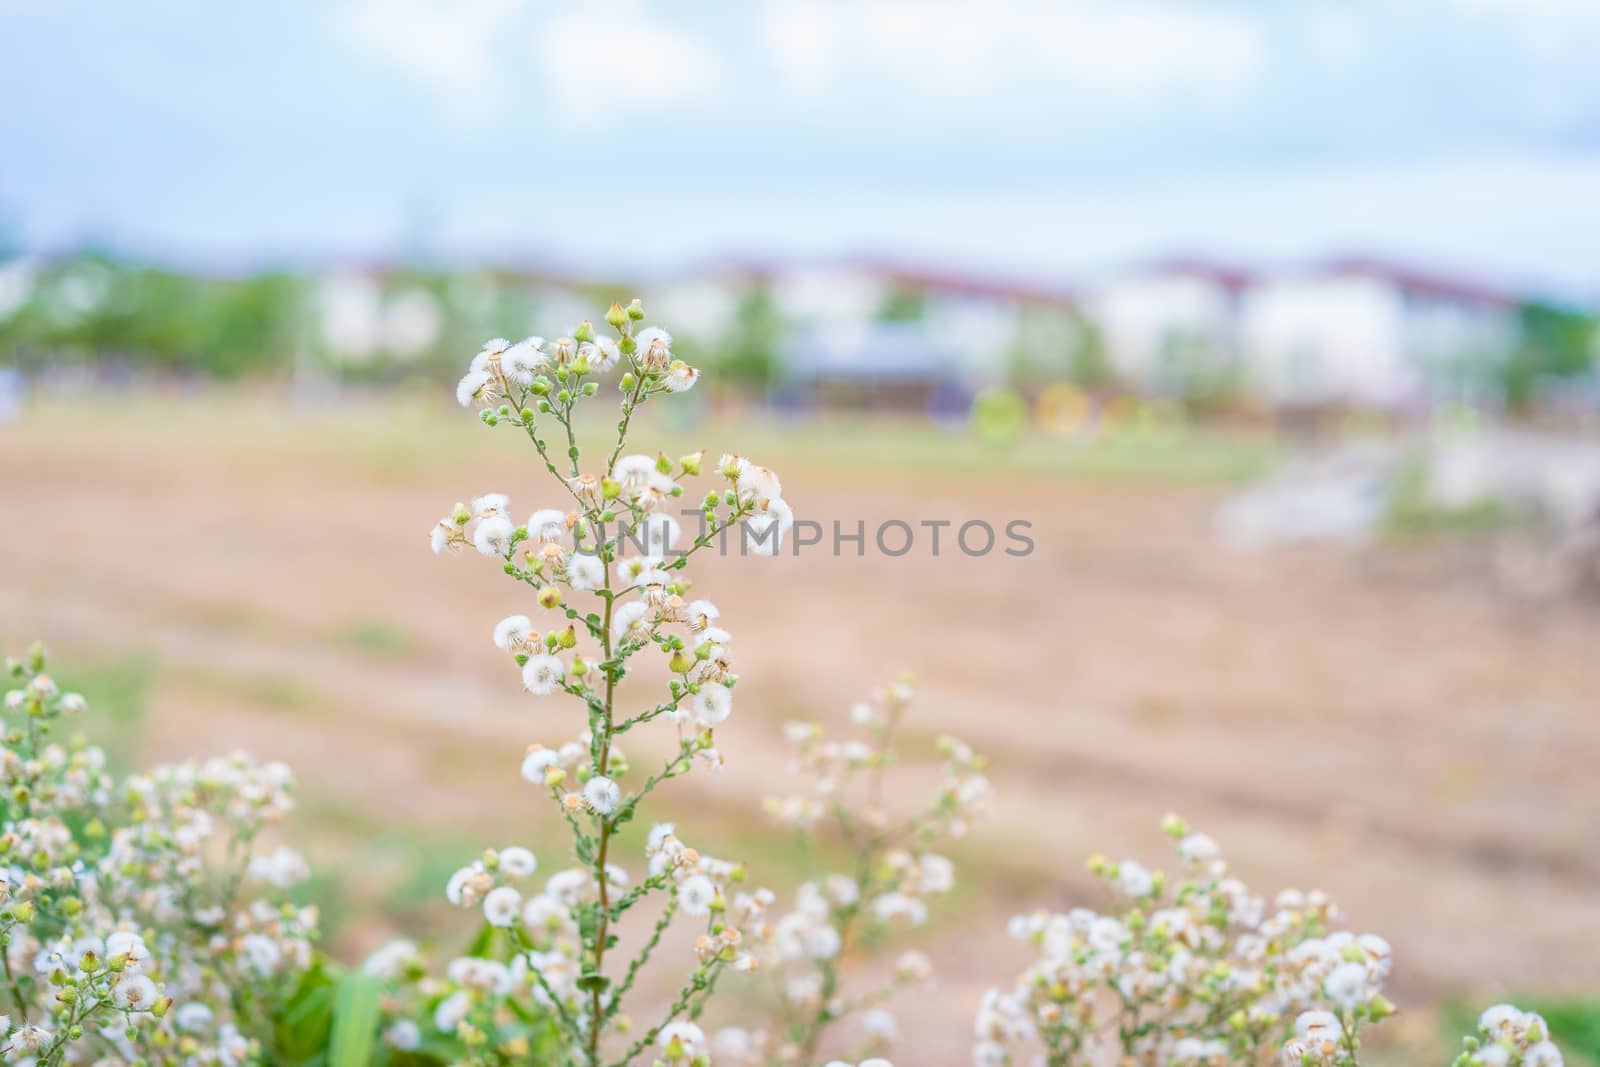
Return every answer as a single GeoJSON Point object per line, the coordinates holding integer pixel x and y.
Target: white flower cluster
{"type": "Point", "coordinates": [1197, 972]}
{"type": "Point", "coordinates": [1510, 1037]}
{"type": "Point", "coordinates": [135, 919]}
{"type": "Point", "coordinates": [614, 547]}
{"type": "Point", "coordinates": [837, 916]}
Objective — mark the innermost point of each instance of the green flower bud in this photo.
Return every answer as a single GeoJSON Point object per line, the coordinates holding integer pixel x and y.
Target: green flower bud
{"type": "Point", "coordinates": [584, 332]}
{"type": "Point", "coordinates": [636, 310]}
{"type": "Point", "coordinates": [615, 316]}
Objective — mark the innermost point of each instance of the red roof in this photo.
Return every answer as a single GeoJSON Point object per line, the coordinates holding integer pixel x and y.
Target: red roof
{"type": "Point", "coordinates": [1423, 283]}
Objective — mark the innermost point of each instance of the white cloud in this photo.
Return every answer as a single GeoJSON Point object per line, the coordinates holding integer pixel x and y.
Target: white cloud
{"type": "Point", "coordinates": [1006, 48]}
{"type": "Point", "coordinates": [603, 60]}
{"type": "Point", "coordinates": [447, 47]}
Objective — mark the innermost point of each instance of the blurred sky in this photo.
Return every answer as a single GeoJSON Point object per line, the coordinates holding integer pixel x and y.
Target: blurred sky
{"type": "Point", "coordinates": [1010, 136]}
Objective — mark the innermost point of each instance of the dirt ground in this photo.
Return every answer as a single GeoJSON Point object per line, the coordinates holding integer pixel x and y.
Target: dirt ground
{"type": "Point", "coordinates": [1380, 723]}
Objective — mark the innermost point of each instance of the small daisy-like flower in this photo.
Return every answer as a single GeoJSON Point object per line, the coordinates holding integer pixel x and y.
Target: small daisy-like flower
{"type": "Point", "coordinates": [602, 794]}
{"type": "Point", "coordinates": [696, 895]}
{"type": "Point", "coordinates": [517, 862]}
{"type": "Point", "coordinates": [490, 504]}
{"type": "Point", "coordinates": [1347, 985]}
{"type": "Point", "coordinates": [680, 377]}
{"type": "Point", "coordinates": [31, 1038]}
{"type": "Point", "coordinates": [492, 537]}
{"type": "Point", "coordinates": [603, 354]}
{"type": "Point", "coordinates": [1135, 879]}
{"type": "Point", "coordinates": [443, 536]}
{"type": "Point", "coordinates": [681, 1041]}
{"type": "Point", "coordinates": [539, 760]}
{"type": "Point", "coordinates": [700, 614]}
{"type": "Point", "coordinates": [134, 993]}
{"type": "Point", "coordinates": [634, 472]}
{"type": "Point", "coordinates": [542, 675]}
{"type": "Point", "coordinates": [756, 483]}
{"type": "Point", "coordinates": [713, 704]}
{"type": "Point", "coordinates": [1317, 1025]}
{"type": "Point", "coordinates": [522, 362]}
{"type": "Point", "coordinates": [630, 621]}
{"type": "Point", "coordinates": [489, 356]}
{"type": "Point", "coordinates": [655, 347]}
{"type": "Point", "coordinates": [452, 1011]}
{"type": "Point", "coordinates": [468, 885]}
{"type": "Point", "coordinates": [1543, 1054]}
{"type": "Point", "coordinates": [403, 1034]}
{"type": "Point", "coordinates": [764, 531]}
{"type": "Point", "coordinates": [513, 631]}
{"type": "Point", "coordinates": [502, 906]}
{"type": "Point", "coordinates": [585, 572]}
{"type": "Point", "coordinates": [474, 386]}
{"type": "Point", "coordinates": [547, 525]}
{"type": "Point", "coordinates": [586, 487]}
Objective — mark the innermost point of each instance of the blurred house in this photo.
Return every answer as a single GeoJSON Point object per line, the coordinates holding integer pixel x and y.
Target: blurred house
{"type": "Point", "coordinates": [885, 334]}
{"type": "Point", "coordinates": [1171, 324]}
{"type": "Point", "coordinates": [1371, 334]}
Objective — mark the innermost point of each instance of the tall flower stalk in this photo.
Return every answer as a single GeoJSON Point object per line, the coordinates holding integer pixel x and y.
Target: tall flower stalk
{"type": "Point", "coordinates": [616, 546]}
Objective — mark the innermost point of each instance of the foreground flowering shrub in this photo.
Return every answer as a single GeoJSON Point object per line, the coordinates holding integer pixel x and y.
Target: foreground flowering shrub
{"type": "Point", "coordinates": [1200, 971]}
{"type": "Point", "coordinates": [839, 918]}
{"type": "Point", "coordinates": [139, 921]}
{"type": "Point", "coordinates": [607, 596]}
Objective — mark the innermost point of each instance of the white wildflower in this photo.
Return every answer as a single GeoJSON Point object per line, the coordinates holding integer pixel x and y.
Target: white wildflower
{"type": "Point", "coordinates": [602, 794]}
{"type": "Point", "coordinates": [585, 572]}
{"type": "Point", "coordinates": [502, 905]}
{"type": "Point", "coordinates": [517, 862]}
{"type": "Point", "coordinates": [696, 895]}
{"type": "Point", "coordinates": [713, 704]}
{"type": "Point", "coordinates": [543, 675]}
{"type": "Point", "coordinates": [512, 632]}
{"type": "Point", "coordinates": [492, 537]}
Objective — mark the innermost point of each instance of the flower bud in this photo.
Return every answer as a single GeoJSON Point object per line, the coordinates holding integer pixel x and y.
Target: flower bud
{"type": "Point", "coordinates": [584, 332]}
{"type": "Point", "coordinates": [636, 310]}
{"type": "Point", "coordinates": [549, 597]}
{"type": "Point", "coordinates": [615, 316]}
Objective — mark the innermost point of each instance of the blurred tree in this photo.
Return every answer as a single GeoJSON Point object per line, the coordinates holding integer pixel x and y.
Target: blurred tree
{"type": "Point", "coordinates": [1554, 342]}
{"type": "Point", "coordinates": [903, 303]}
{"type": "Point", "coordinates": [748, 355]}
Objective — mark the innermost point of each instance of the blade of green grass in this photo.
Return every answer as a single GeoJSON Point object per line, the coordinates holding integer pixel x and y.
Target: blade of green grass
{"type": "Point", "coordinates": [355, 1021]}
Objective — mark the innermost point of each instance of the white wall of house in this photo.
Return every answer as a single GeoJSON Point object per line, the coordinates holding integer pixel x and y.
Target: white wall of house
{"type": "Point", "coordinates": [1364, 339]}
{"type": "Point", "coordinates": [1311, 340]}
{"type": "Point", "coordinates": [975, 334]}
{"type": "Point", "coordinates": [829, 297]}
{"type": "Point", "coordinates": [1151, 324]}
{"type": "Point", "coordinates": [699, 308]}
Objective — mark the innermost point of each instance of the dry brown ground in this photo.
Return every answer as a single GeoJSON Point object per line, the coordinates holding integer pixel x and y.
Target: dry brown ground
{"type": "Point", "coordinates": [1382, 724]}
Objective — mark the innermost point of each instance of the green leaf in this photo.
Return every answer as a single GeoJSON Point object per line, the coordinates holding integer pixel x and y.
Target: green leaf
{"type": "Point", "coordinates": [355, 1020]}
